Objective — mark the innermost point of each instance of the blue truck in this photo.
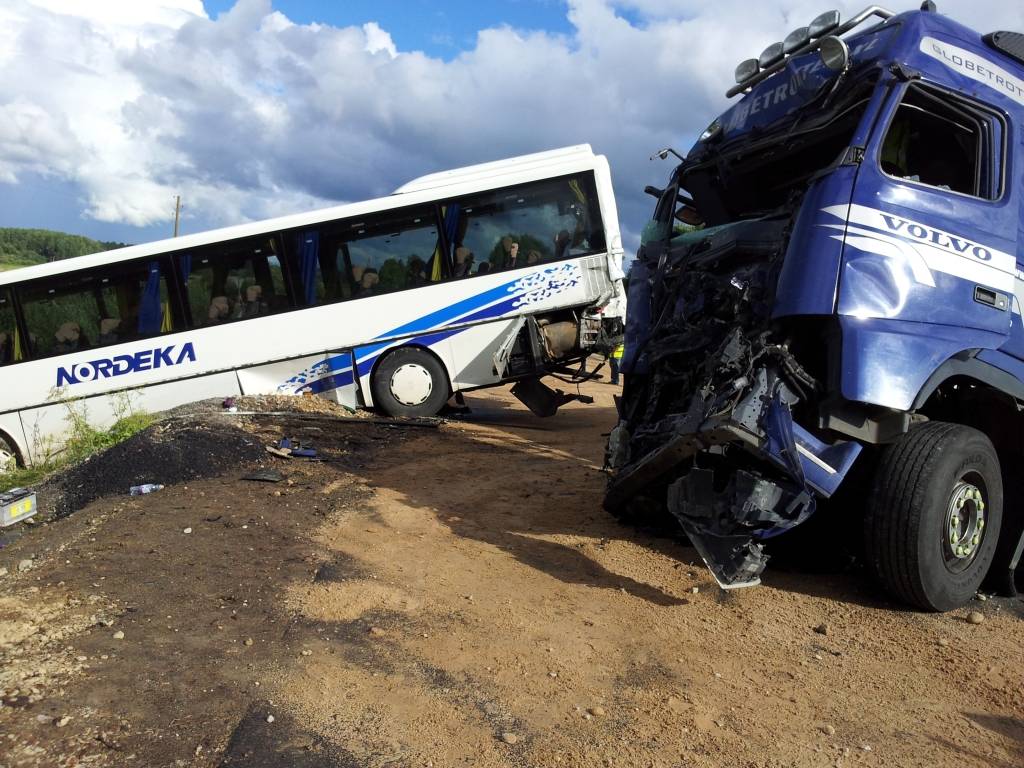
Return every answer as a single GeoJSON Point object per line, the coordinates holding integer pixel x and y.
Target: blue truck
{"type": "Point", "coordinates": [827, 305]}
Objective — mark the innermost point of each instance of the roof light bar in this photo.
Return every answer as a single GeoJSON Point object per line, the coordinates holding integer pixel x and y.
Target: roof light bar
{"type": "Point", "coordinates": [770, 55]}
{"type": "Point", "coordinates": [746, 70]}
{"type": "Point", "coordinates": [796, 39]}
{"type": "Point", "coordinates": [825, 25]}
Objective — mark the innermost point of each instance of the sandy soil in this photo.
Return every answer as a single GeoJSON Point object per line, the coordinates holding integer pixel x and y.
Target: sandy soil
{"type": "Point", "coordinates": [456, 596]}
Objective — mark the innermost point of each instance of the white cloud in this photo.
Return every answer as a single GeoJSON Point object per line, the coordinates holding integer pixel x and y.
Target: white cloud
{"type": "Point", "coordinates": [252, 115]}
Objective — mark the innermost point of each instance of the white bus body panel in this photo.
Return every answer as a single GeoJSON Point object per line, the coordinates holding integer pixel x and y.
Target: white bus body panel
{"type": "Point", "coordinates": [311, 350]}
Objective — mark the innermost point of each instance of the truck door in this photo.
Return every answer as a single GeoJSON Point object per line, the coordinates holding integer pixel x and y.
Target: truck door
{"type": "Point", "coordinates": [928, 266]}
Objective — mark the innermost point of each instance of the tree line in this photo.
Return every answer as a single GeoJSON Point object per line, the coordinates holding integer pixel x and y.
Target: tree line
{"type": "Point", "coordinates": [24, 247]}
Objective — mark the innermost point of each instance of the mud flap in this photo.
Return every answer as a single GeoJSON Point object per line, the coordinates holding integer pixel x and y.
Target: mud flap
{"type": "Point", "coordinates": [541, 399]}
{"type": "Point", "coordinates": [1006, 575]}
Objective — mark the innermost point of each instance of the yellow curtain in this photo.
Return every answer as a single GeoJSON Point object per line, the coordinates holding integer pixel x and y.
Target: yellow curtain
{"type": "Point", "coordinates": [578, 191]}
{"type": "Point", "coordinates": [435, 270]}
{"type": "Point", "coordinates": [18, 353]}
{"type": "Point", "coordinates": [167, 324]}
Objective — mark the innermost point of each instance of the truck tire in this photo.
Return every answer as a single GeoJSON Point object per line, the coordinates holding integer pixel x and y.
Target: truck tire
{"type": "Point", "coordinates": [933, 518]}
{"type": "Point", "coordinates": [410, 382]}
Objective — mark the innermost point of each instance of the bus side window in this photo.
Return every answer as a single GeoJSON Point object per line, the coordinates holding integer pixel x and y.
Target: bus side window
{"type": "Point", "coordinates": [391, 250]}
{"type": "Point", "coordinates": [381, 253]}
{"type": "Point", "coordinates": [526, 225]}
{"type": "Point", "coordinates": [238, 280]}
{"type": "Point", "coordinates": [97, 308]}
{"type": "Point", "coordinates": [10, 343]}
{"type": "Point", "coordinates": [318, 262]}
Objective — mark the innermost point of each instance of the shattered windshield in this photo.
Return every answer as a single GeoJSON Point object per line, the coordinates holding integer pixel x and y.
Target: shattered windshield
{"type": "Point", "coordinates": [750, 176]}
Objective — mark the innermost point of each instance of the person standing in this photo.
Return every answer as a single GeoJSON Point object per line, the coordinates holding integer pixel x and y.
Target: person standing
{"type": "Point", "coordinates": [615, 361]}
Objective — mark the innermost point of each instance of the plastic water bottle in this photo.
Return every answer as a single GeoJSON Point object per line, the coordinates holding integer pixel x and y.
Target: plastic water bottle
{"type": "Point", "coordinates": [141, 490]}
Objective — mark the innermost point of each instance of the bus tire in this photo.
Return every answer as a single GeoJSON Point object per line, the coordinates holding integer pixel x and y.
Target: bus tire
{"type": "Point", "coordinates": [9, 457]}
{"type": "Point", "coordinates": [410, 382]}
{"type": "Point", "coordinates": [933, 518]}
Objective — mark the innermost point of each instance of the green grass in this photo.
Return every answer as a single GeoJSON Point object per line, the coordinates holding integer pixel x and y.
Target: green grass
{"type": "Point", "coordinates": [84, 442]}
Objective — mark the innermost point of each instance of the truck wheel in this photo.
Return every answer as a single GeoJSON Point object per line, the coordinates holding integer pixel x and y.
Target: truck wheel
{"type": "Point", "coordinates": [934, 515]}
{"type": "Point", "coordinates": [410, 382]}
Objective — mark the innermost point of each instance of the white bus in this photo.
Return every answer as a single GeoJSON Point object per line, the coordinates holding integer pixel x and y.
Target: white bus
{"type": "Point", "coordinates": [459, 280]}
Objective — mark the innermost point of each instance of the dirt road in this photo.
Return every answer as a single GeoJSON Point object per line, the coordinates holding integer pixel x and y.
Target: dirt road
{"type": "Point", "coordinates": [456, 596]}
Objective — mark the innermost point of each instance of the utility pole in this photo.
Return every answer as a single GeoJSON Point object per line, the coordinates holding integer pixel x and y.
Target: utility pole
{"type": "Point", "coordinates": [177, 213]}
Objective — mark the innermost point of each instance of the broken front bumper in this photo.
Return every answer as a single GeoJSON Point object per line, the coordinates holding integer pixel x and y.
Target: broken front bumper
{"type": "Point", "coordinates": [728, 507]}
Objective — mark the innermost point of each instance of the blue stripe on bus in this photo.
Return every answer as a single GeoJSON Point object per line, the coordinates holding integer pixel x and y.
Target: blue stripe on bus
{"type": "Point", "coordinates": [479, 307]}
{"type": "Point", "coordinates": [447, 314]}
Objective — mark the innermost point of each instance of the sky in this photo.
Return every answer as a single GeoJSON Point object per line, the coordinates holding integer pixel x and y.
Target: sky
{"type": "Point", "coordinates": [256, 108]}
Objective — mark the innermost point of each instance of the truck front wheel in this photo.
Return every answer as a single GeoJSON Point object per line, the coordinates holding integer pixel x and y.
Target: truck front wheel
{"type": "Point", "coordinates": [934, 515]}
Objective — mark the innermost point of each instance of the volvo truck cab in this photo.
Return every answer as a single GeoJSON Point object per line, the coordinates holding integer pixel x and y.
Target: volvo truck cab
{"type": "Point", "coordinates": [829, 297]}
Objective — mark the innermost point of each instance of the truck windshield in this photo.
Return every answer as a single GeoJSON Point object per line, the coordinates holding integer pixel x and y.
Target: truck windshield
{"type": "Point", "coordinates": [754, 175]}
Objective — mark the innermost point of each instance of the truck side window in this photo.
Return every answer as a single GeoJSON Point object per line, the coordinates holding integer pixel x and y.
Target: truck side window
{"type": "Point", "coordinates": [944, 142]}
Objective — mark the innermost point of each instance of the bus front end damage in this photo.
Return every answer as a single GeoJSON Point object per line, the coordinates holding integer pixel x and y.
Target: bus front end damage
{"type": "Point", "coordinates": [707, 421]}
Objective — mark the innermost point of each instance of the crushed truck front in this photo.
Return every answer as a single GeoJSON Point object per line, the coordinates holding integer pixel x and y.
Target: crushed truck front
{"type": "Point", "coordinates": [778, 325]}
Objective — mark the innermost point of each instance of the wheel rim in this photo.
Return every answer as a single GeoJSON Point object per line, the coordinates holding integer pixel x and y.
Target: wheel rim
{"type": "Point", "coordinates": [411, 384]}
{"type": "Point", "coordinates": [964, 529]}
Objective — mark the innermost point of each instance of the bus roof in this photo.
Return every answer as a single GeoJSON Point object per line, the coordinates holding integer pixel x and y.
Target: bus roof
{"type": "Point", "coordinates": [425, 189]}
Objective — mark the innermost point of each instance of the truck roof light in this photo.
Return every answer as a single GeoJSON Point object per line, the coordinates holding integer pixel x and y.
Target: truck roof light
{"type": "Point", "coordinates": [824, 24]}
{"type": "Point", "coordinates": [798, 38]}
{"type": "Point", "coordinates": [770, 55]}
{"type": "Point", "coordinates": [827, 24]}
{"type": "Point", "coordinates": [835, 53]}
{"type": "Point", "coordinates": [746, 69]}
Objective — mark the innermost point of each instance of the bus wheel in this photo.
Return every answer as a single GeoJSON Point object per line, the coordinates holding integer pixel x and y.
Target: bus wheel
{"type": "Point", "coordinates": [8, 457]}
{"type": "Point", "coordinates": [934, 514]}
{"type": "Point", "coordinates": [410, 382]}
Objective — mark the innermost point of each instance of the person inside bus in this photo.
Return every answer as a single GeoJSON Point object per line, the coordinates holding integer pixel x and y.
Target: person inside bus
{"type": "Point", "coordinates": [6, 353]}
{"type": "Point", "coordinates": [463, 262]}
{"type": "Point", "coordinates": [219, 310]}
{"type": "Point", "coordinates": [533, 257]}
{"type": "Point", "coordinates": [367, 283]}
{"type": "Point", "coordinates": [109, 330]}
{"type": "Point", "coordinates": [511, 256]}
{"type": "Point", "coordinates": [563, 240]}
{"type": "Point", "coordinates": [484, 268]}
{"type": "Point", "coordinates": [253, 306]}
{"type": "Point", "coordinates": [416, 274]}
{"type": "Point", "coordinates": [69, 338]}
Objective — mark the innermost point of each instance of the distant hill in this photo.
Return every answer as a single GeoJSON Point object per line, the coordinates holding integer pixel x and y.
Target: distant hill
{"type": "Point", "coordinates": [24, 247]}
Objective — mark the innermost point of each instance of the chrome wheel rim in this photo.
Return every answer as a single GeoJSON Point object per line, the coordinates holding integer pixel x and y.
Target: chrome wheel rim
{"type": "Point", "coordinates": [964, 528]}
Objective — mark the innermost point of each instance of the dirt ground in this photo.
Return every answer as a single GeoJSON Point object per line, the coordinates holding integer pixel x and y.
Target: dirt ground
{"type": "Point", "coordinates": [455, 596]}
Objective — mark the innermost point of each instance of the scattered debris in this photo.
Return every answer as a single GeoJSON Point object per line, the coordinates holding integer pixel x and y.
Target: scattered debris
{"type": "Point", "coordinates": [187, 530]}
{"type": "Point", "coordinates": [596, 711]}
{"type": "Point", "coordinates": [509, 738]}
{"type": "Point", "coordinates": [142, 490]}
{"type": "Point", "coordinates": [975, 617]}
{"type": "Point", "coordinates": [264, 476]}
{"type": "Point", "coordinates": [270, 718]}
{"type": "Point", "coordinates": [24, 565]}
{"type": "Point", "coordinates": [119, 635]}
{"type": "Point", "coordinates": [821, 629]}
{"type": "Point", "coordinates": [828, 730]}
